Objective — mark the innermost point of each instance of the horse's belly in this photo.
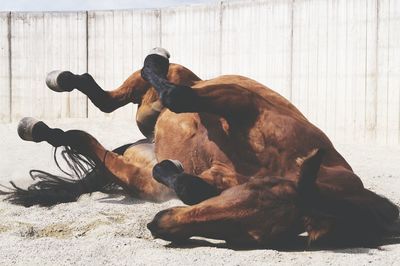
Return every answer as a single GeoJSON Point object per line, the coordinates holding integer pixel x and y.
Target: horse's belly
{"type": "Point", "coordinates": [196, 140]}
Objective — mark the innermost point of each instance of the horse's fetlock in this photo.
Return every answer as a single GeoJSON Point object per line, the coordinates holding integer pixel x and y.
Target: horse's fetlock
{"type": "Point", "coordinates": [67, 80]}
{"type": "Point", "coordinates": [40, 131]}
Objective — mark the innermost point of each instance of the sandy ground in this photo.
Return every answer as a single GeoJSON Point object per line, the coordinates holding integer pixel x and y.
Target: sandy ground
{"type": "Point", "coordinates": [102, 229]}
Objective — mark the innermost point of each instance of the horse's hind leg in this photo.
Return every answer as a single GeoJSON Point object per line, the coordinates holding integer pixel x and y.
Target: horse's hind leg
{"type": "Point", "coordinates": [133, 172]}
{"type": "Point", "coordinates": [106, 101]}
{"type": "Point", "coordinates": [227, 100]}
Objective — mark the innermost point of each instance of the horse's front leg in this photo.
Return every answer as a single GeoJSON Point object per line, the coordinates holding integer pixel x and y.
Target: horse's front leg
{"type": "Point", "coordinates": [106, 101]}
{"type": "Point", "coordinates": [263, 211]}
{"type": "Point", "coordinates": [193, 189]}
{"type": "Point", "coordinates": [189, 188]}
{"type": "Point", "coordinates": [220, 217]}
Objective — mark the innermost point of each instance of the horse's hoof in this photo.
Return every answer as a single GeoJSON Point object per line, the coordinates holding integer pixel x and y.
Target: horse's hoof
{"type": "Point", "coordinates": [25, 128]}
{"type": "Point", "coordinates": [60, 81]}
{"type": "Point", "coordinates": [160, 51]}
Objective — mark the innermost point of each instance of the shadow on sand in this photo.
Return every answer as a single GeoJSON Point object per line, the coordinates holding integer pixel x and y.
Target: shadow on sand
{"type": "Point", "coordinates": [298, 244]}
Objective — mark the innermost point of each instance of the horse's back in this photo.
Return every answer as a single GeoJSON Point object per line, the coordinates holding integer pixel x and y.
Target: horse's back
{"type": "Point", "coordinates": [271, 97]}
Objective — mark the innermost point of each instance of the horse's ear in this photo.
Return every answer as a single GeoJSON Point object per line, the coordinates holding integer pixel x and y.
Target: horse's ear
{"type": "Point", "coordinates": [309, 168]}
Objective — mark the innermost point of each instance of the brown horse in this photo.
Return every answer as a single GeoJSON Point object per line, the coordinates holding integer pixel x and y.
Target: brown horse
{"type": "Point", "coordinates": [254, 169]}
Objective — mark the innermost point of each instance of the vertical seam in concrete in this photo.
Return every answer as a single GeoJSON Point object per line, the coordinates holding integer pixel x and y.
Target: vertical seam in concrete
{"type": "Point", "coordinates": [327, 63]}
{"type": "Point", "coordinates": [291, 52]}
{"type": "Point", "coordinates": [221, 3]}
{"type": "Point", "coordinates": [160, 26]}
{"type": "Point", "coordinates": [366, 74]}
{"type": "Point", "coordinates": [87, 58]}
{"type": "Point", "coordinates": [398, 107]}
{"type": "Point", "coordinates": [141, 35]}
{"type": "Point", "coordinates": [9, 64]}
{"type": "Point", "coordinates": [387, 75]}
{"type": "Point", "coordinates": [375, 103]}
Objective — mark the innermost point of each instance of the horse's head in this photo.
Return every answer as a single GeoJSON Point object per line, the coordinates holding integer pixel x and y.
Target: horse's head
{"type": "Point", "coordinates": [262, 211]}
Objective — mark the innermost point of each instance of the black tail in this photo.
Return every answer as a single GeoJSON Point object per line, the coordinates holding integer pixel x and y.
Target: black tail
{"type": "Point", "coordinates": [358, 215]}
{"type": "Point", "coordinates": [83, 176]}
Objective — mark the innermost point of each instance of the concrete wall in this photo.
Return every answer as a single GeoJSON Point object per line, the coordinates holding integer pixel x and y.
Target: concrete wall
{"type": "Point", "coordinates": [118, 42]}
{"type": "Point", "coordinates": [41, 42]}
{"type": "Point", "coordinates": [338, 61]}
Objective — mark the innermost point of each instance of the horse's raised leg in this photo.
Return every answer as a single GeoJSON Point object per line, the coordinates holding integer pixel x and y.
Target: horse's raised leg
{"type": "Point", "coordinates": [133, 172]}
{"type": "Point", "coordinates": [228, 100]}
{"type": "Point", "coordinates": [106, 101]}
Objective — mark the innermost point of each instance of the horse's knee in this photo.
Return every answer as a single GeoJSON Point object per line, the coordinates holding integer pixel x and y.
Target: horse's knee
{"type": "Point", "coordinates": [156, 225]}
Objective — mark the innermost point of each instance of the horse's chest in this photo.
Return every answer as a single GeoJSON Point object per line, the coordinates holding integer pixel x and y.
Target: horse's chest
{"type": "Point", "coordinates": [193, 139]}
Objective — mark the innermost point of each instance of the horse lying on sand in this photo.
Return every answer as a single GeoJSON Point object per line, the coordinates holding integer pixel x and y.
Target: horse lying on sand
{"type": "Point", "coordinates": [252, 168]}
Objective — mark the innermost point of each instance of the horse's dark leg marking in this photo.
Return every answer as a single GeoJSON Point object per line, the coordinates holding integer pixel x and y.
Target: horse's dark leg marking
{"type": "Point", "coordinates": [189, 188]}
{"type": "Point", "coordinates": [106, 101]}
{"type": "Point", "coordinates": [133, 173]}
{"type": "Point", "coordinates": [228, 100]}
{"type": "Point", "coordinates": [178, 98]}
